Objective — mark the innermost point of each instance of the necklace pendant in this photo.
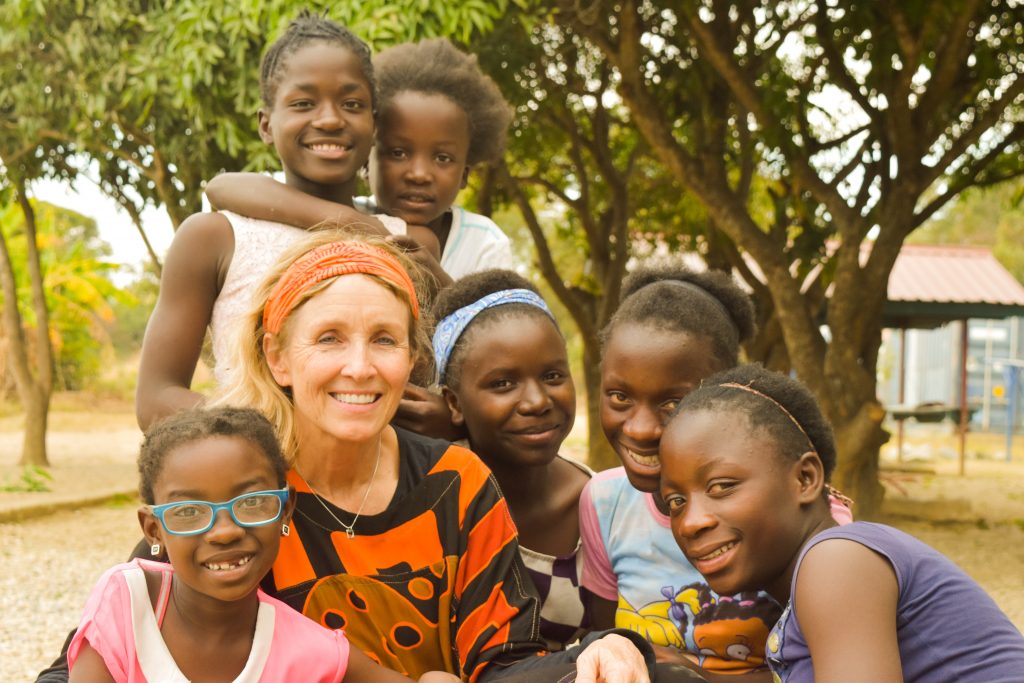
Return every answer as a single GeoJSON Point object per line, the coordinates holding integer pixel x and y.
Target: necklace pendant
{"type": "Point", "coordinates": [350, 533]}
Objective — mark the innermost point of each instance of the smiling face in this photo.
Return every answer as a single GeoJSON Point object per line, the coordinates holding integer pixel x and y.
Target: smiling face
{"type": "Point", "coordinates": [738, 508]}
{"type": "Point", "coordinates": [419, 164]}
{"type": "Point", "coordinates": [227, 562]}
{"type": "Point", "coordinates": [346, 356]}
{"type": "Point", "coordinates": [645, 372]}
{"type": "Point", "coordinates": [515, 394]}
{"type": "Point", "coordinates": [321, 122]}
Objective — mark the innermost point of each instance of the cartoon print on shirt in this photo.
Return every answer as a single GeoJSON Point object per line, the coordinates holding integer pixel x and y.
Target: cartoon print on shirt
{"type": "Point", "coordinates": [728, 632]}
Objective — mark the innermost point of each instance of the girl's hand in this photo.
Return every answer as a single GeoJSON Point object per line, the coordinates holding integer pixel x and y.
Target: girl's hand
{"type": "Point", "coordinates": [612, 659]}
{"type": "Point", "coordinates": [426, 413]}
{"type": "Point", "coordinates": [423, 257]}
{"type": "Point", "coordinates": [439, 677]}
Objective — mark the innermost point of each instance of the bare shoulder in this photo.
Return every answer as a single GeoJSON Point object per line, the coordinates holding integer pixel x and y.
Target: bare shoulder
{"type": "Point", "coordinates": [203, 245]}
{"type": "Point", "coordinates": [571, 480]}
{"type": "Point", "coordinates": [833, 566]}
{"type": "Point", "coordinates": [208, 228]}
{"type": "Point", "coordinates": [571, 476]}
{"type": "Point", "coordinates": [843, 557]}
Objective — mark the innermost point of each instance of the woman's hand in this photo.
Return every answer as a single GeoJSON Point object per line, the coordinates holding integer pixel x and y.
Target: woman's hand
{"type": "Point", "coordinates": [612, 659]}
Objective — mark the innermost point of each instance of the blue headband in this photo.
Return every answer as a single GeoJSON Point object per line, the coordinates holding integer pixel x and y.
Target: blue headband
{"type": "Point", "coordinates": [448, 331]}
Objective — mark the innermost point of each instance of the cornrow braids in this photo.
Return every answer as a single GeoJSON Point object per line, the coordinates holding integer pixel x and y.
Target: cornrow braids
{"type": "Point", "coordinates": [472, 288]}
{"type": "Point", "coordinates": [679, 299]}
{"type": "Point", "coordinates": [309, 27]}
{"type": "Point", "coordinates": [202, 423]}
{"type": "Point", "coordinates": [780, 405]}
{"type": "Point", "coordinates": [438, 67]}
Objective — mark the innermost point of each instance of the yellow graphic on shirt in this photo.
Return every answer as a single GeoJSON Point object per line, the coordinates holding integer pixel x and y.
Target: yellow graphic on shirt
{"type": "Point", "coordinates": [651, 621]}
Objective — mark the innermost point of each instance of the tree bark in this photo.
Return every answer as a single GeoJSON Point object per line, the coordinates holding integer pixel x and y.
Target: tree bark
{"type": "Point", "coordinates": [36, 403]}
{"type": "Point", "coordinates": [590, 312]}
{"type": "Point", "coordinates": [600, 455]}
{"type": "Point", "coordinates": [34, 388]}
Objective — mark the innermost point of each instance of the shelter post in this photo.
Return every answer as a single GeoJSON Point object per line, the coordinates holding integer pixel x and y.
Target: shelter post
{"type": "Point", "coordinates": [963, 392]}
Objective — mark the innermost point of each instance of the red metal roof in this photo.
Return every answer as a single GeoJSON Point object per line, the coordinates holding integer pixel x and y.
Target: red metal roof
{"type": "Point", "coordinates": [952, 274]}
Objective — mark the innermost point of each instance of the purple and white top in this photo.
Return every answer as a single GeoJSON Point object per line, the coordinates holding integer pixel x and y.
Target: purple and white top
{"type": "Point", "coordinates": [947, 627]}
{"type": "Point", "coordinates": [565, 608]}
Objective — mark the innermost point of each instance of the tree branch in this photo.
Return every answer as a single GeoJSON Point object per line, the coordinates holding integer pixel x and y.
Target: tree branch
{"type": "Point", "coordinates": [982, 124]}
{"type": "Point", "coordinates": [546, 261]}
{"type": "Point", "coordinates": [838, 71]}
{"type": "Point", "coordinates": [950, 60]}
{"type": "Point", "coordinates": [745, 92]}
{"type": "Point", "coordinates": [968, 177]}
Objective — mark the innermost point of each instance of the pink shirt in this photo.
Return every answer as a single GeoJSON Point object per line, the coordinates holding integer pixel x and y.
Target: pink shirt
{"type": "Point", "coordinates": [123, 626]}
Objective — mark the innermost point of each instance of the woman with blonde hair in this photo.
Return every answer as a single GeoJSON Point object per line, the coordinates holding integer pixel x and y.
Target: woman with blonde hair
{"type": "Point", "coordinates": [402, 540]}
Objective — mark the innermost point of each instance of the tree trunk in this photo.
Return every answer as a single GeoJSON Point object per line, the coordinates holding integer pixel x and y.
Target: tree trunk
{"type": "Point", "coordinates": [850, 399]}
{"type": "Point", "coordinates": [600, 455]}
{"type": "Point", "coordinates": [858, 439]}
{"type": "Point", "coordinates": [33, 444]}
{"type": "Point", "coordinates": [33, 388]}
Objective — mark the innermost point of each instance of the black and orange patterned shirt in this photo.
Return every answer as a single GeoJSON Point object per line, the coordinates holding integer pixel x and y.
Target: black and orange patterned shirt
{"type": "Point", "coordinates": [435, 582]}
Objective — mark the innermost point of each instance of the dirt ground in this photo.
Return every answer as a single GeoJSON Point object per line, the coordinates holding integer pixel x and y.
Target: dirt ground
{"type": "Point", "coordinates": [49, 563]}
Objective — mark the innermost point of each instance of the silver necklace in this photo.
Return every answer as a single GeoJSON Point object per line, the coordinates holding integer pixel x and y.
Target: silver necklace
{"type": "Point", "coordinates": [349, 528]}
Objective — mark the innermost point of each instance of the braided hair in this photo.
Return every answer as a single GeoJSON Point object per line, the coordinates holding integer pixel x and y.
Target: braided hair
{"type": "Point", "coordinates": [309, 27]}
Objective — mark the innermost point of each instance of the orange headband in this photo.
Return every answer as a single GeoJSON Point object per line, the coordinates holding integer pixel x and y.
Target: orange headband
{"type": "Point", "coordinates": [327, 261]}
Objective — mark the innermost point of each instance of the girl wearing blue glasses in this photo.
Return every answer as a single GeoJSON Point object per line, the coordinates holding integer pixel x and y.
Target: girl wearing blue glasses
{"type": "Point", "coordinates": [216, 506]}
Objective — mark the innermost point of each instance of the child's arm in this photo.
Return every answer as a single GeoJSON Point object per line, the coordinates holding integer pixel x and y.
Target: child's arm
{"type": "Point", "coordinates": [260, 196]}
{"type": "Point", "coordinates": [89, 667]}
{"type": "Point", "coordinates": [362, 669]}
{"type": "Point", "coordinates": [192, 276]}
{"type": "Point", "coordinates": [845, 600]}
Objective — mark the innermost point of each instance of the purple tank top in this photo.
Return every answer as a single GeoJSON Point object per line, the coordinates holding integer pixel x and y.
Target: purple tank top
{"type": "Point", "coordinates": [948, 628]}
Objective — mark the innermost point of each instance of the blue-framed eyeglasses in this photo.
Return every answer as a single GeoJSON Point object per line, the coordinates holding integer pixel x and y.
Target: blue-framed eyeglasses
{"type": "Point", "coordinates": [191, 517]}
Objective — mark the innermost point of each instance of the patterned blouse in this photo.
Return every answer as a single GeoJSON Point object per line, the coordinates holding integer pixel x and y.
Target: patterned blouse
{"type": "Point", "coordinates": [434, 582]}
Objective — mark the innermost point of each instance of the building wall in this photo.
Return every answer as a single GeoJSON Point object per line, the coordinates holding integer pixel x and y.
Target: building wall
{"type": "Point", "coordinates": [933, 368]}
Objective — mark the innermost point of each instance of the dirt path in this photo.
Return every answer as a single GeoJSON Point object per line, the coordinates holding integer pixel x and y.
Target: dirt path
{"type": "Point", "coordinates": [47, 567]}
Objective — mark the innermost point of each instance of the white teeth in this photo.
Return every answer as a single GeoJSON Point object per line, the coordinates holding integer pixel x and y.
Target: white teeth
{"type": "Point", "coordinates": [358, 399]}
{"type": "Point", "coordinates": [646, 460]}
{"type": "Point", "coordinates": [715, 553]}
{"type": "Point", "coordinates": [224, 566]}
{"type": "Point", "coordinates": [325, 147]}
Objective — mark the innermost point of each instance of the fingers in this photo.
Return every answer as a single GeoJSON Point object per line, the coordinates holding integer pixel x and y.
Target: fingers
{"type": "Point", "coordinates": [612, 659]}
{"type": "Point", "coordinates": [404, 242]}
{"type": "Point", "coordinates": [413, 392]}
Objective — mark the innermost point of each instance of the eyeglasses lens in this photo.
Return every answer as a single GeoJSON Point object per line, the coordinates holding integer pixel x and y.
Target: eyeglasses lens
{"type": "Point", "coordinates": [187, 517]}
{"type": "Point", "coordinates": [256, 509]}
